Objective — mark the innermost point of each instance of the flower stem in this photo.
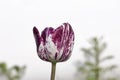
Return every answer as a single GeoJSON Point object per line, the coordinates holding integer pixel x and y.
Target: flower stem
{"type": "Point", "coordinates": [53, 71]}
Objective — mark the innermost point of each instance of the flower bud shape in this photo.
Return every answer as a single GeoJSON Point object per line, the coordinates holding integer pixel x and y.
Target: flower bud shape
{"type": "Point", "coordinates": [54, 45]}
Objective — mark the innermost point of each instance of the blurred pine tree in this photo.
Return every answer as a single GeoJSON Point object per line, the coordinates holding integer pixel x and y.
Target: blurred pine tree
{"type": "Point", "coordinates": [90, 69]}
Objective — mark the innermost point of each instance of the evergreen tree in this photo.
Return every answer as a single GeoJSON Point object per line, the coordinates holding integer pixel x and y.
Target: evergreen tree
{"type": "Point", "coordinates": [91, 68]}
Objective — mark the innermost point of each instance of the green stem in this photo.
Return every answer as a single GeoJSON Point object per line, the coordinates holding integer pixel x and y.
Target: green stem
{"type": "Point", "coordinates": [53, 71]}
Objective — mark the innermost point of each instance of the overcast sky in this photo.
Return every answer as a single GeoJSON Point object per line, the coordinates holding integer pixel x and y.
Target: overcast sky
{"type": "Point", "coordinates": [88, 18]}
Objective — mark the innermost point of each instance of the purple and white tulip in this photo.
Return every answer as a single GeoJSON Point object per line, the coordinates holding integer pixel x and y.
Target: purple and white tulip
{"type": "Point", "coordinates": [54, 45]}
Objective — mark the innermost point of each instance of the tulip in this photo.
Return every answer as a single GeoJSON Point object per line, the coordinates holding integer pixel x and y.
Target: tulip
{"type": "Point", "coordinates": [54, 45]}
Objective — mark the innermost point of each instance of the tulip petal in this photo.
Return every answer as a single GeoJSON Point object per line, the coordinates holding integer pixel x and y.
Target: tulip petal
{"type": "Point", "coordinates": [49, 46]}
{"type": "Point", "coordinates": [57, 37]}
{"type": "Point", "coordinates": [68, 41]}
{"type": "Point", "coordinates": [45, 33]}
{"type": "Point", "coordinates": [37, 37]}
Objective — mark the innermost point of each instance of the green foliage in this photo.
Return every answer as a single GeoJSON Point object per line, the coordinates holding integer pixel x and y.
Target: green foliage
{"type": "Point", "coordinates": [13, 73]}
{"type": "Point", "coordinates": [91, 68]}
{"type": "Point", "coordinates": [3, 68]}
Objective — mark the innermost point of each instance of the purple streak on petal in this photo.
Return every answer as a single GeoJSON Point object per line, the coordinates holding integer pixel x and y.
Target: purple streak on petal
{"type": "Point", "coordinates": [57, 37]}
{"type": "Point", "coordinates": [57, 34]}
{"type": "Point", "coordinates": [66, 53]}
{"type": "Point", "coordinates": [46, 53]}
{"type": "Point", "coordinates": [37, 37]}
{"type": "Point", "coordinates": [50, 30]}
{"type": "Point", "coordinates": [45, 33]}
{"type": "Point", "coordinates": [56, 56]}
{"type": "Point", "coordinates": [43, 56]}
{"type": "Point", "coordinates": [66, 57]}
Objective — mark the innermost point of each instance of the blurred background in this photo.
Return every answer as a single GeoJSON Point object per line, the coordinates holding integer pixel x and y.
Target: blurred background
{"type": "Point", "coordinates": [92, 20]}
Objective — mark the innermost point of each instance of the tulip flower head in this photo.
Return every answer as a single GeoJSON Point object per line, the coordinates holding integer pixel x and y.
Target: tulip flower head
{"type": "Point", "coordinates": [54, 45]}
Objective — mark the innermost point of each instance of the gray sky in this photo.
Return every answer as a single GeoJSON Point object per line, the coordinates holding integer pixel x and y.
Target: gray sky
{"type": "Point", "coordinates": [88, 18]}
